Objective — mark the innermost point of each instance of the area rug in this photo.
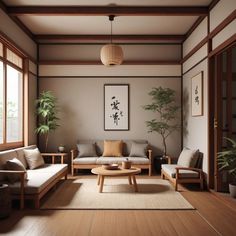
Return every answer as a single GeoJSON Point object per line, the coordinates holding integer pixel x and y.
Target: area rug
{"type": "Point", "coordinates": [117, 194]}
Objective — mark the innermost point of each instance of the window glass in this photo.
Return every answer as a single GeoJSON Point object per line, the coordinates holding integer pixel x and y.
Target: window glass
{"type": "Point", "coordinates": [1, 102]}
{"type": "Point", "coordinates": [14, 105]}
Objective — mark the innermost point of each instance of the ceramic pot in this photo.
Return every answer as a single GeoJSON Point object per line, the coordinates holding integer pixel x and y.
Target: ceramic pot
{"type": "Point", "coordinates": [61, 149]}
{"type": "Point", "coordinates": [232, 190]}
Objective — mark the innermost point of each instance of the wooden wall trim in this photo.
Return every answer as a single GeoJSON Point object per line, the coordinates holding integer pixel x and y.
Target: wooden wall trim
{"type": "Point", "coordinates": [194, 26]}
{"type": "Point", "coordinates": [108, 10]}
{"type": "Point", "coordinates": [196, 64]}
{"type": "Point", "coordinates": [11, 44]}
{"type": "Point", "coordinates": [195, 49]}
{"type": "Point", "coordinates": [222, 46]}
{"type": "Point", "coordinates": [80, 62]}
{"type": "Point", "coordinates": [218, 29]}
{"type": "Point", "coordinates": [223, 24]}
{"type": "Point", "coordinates": [107, 76]}
{"type": "Point", "coordinates": [213, 4]}
{"type": "Point", "coordinates": [96, 38]}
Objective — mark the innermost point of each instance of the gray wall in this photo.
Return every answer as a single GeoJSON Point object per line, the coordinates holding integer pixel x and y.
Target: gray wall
{"type": "Point", "coordinates": [81, 104]}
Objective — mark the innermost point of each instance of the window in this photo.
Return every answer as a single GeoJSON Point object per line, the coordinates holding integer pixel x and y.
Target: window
{"type": "Point", "coordinates": [11, 98]}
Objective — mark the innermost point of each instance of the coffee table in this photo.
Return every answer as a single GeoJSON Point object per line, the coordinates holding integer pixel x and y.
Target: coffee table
{"type": "Point", "coordinates": [130, 173]}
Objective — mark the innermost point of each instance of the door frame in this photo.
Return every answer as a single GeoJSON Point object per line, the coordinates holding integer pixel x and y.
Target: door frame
{"type": "Point", "coordinates": [213, 181]}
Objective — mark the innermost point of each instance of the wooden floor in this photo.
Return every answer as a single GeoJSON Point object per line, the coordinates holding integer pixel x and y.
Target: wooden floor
{"type": "Point", "coordinates": [215, 215]}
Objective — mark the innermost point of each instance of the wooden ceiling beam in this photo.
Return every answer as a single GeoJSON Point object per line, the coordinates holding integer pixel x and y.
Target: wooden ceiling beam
{"type": "Point", "coordinates": [108, 10]}
{"type": "Point", "coordinates": [96, 38]}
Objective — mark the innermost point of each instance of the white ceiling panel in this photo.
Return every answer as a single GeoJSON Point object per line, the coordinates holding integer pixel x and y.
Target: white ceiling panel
{"type": "Point", "coordinates": [100, 24]}
{"type": "Point", "coordinates": [107, 2]}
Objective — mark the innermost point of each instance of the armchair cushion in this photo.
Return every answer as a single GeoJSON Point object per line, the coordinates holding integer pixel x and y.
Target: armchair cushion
{"type": "Point", "coordinates": [171, 171]}
{"type": "Point", "coordinates": [188, 158]}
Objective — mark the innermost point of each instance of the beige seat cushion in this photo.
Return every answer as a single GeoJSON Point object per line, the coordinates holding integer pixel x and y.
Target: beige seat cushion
{"type": "Point", "coordinates": [171, 171]}
{"type": "Point", "coordinates": [188, 158]}
{"type": "Point", "coordinates": [33, 158]}
{"type": "Point", "coordinates": [139, 160]}
{"type": "Point", "coordinates": [112, 148]}
{"type": "Point", "coordinates": [39, 178]}
{"type": "Point", "coordinates": [85, 160]}
{"type": "Point", "coordinates": [109, 160]}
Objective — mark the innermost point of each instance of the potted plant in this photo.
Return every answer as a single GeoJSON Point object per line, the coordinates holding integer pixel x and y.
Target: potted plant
{"type": "Point", "coordinates": [47, 111]}
{"type": "Point", "coordinates": [227, 161]}
{"type": "Point", "coordinates": [164, 104]}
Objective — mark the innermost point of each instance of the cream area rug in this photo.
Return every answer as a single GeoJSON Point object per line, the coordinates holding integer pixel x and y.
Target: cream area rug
{"type": "Point", "coordinates": [117, 194]}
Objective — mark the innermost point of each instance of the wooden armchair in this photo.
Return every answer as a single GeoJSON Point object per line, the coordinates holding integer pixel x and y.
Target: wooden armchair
{"type": "Point", "coordinates": [187, 170]}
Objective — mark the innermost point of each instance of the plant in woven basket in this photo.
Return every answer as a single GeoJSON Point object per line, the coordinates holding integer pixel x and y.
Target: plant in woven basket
{"type": "Point", "coordinates": [47, 110]}
{"type": "Point", "coordinates": [164, 104]}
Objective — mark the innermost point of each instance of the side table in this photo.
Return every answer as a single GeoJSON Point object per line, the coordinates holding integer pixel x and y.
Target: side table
{"type": "Point", "coordinates": [61, 155]}
{"type": "Point", "coordinates": [158, 161]}
{"type": "Point", "coordinates": [5, 201]}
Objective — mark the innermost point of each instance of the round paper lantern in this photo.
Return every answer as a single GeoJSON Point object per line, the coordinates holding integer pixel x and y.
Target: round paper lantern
{"type": "Point", "coordinates": [111, 54]}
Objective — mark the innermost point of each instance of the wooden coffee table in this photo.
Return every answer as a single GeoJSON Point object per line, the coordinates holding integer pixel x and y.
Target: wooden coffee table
{"type": "Point", "coordinates": [102, 173]}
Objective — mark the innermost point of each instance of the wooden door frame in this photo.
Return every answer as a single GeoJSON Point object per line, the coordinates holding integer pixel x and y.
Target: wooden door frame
{"type": "Point", "coordinates": [211, 104]}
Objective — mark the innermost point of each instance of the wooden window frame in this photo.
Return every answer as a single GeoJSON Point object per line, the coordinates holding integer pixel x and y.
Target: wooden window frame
{"type": "Point", "coordinates": [9, 145]}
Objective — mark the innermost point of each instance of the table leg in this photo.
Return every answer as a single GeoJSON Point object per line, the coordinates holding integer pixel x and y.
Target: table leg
{"type": "Point", "coordinates": [130, 180]}
{"type": "Point", "coordinates": [135, 184]}
{"type": "Point", "coordinates": [62, 160]}
{"type": "Point", "coordinates": [101, 183]}
{"type": "Point", "coordinates": [98, 180]}
{"type": "Point", "coordinates": [53, 159]}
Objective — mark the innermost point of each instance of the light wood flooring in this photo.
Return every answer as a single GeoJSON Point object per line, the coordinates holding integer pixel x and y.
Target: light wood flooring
{"type": "Point", "coordinates": [215, 214]}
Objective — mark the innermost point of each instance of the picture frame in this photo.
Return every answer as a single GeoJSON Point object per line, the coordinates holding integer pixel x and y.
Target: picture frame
{"type": "Point", "coordinates": [197, 94]}
{"type": "Point", "coordinates": [116, 107]}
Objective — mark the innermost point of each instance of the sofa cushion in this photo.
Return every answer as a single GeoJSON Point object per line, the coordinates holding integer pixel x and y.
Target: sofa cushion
{"type": "Point", "coordinates": [33, 158]}
{"type": "Point", "coordinates": [4, 157]}
{"type": "Point", "coordinates": [188, 158]}
{"type": "Point", "coordinates": [171, 171]}
{"type": "Point", "coordinates": [138, 149]}
{"type": "Point", "coordinates": [112, 148]}
{"type": "Point", "coordinates": [85, 160]}
{"type": "Point", "coordinates": [14, 164]}
{"type": "Point", "coordinates": [86, 150]}
{"type": "Point", "coordinates": [21, 154]}
{"type": "Point", "coordinates": [110, 160]}
{"type": "Point", "coordinates": [139, 160]}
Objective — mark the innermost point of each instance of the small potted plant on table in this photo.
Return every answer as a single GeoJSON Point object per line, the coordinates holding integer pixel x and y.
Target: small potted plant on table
{"type": "Point", "coordinates": [227, 161]}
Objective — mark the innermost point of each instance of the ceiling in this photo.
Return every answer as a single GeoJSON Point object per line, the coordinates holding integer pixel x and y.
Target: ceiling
{"type": "Point", "coordinates": [87, 21]}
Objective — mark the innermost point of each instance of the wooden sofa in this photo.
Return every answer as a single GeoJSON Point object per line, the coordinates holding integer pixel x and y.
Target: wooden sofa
{"type": "Point", "coordinates": [39, 181]}
{"type": "Point", "coordinates": [185, 171]}
{"type": "Point", "coordinates": [92, 162]}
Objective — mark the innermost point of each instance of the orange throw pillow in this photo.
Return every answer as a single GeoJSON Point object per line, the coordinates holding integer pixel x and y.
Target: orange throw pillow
{"type": "Point", "coordinates": [113, 148]}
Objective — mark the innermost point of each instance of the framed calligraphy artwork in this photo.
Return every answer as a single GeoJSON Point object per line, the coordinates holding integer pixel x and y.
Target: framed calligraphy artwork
{"type": "Point", "coordinates": [197, 95]}
{"type": "Point", "coordinates": [116, 106]}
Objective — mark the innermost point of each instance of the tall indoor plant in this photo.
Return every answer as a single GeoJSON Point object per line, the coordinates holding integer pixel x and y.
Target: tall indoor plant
{"type": "Point", "coordinates": [47, 110]}
{"type": "Point", "coordinates": [164, 104]}
{"type": "Point", "coordinates": [227, 161]}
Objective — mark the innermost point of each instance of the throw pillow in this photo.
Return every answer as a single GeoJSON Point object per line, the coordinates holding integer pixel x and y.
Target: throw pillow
{"type": "Point", "coordinates": [33, 158]}
{"type": "Point", "coordinates": [138, 149]}
{"type": "Point", "coordinates": [87, 150]}
{"type": "Point", "coordinates": [112, 148]}
{"type": "Point", "coordinates": [188, 158]}
{"type": "Point", "coordinates": [14, 164]}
